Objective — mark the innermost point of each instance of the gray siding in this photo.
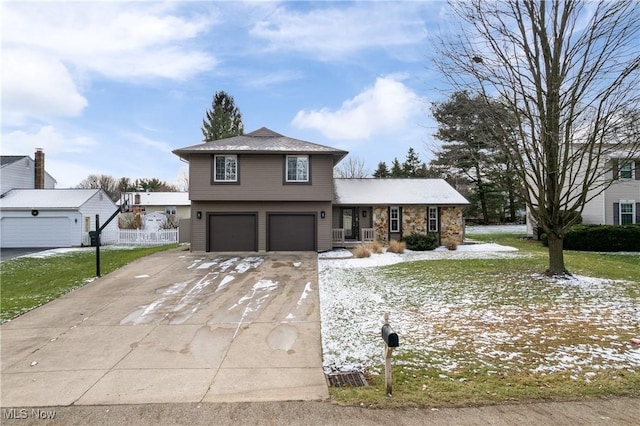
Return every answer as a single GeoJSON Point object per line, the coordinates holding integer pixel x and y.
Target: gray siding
{"type": "Point", "coordinates": [21, 175]}
{"type": "Point", "coordinates": [261, 178]}
{"type": "Point", "coordinates": [199, 226]}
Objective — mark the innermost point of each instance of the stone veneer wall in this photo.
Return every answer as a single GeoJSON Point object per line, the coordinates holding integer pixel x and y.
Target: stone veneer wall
{"type": "Point", "coordinates": [381, 224]}
{"type": "Point", "coordinates": [414, 219]}
{"type": "Point", "coordinates": [451, 226]}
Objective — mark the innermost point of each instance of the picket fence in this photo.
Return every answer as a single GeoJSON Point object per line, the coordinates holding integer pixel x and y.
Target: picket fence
{"type": "Point", "coordinates": [138, 237]}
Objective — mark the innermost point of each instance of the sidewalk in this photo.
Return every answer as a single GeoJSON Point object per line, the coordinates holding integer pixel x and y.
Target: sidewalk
{"type": "Point", "coordinates": [616, 411]}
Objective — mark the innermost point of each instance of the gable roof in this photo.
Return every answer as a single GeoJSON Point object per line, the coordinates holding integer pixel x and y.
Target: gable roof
{"type": "Point", "coordinates": [60, 199]}
{"type": "Point", "coordinates": [261, 141]}
{"type": "Point", "coordinates": [5, 160]}
{"type": "Point", "coordinates": [373, 191]}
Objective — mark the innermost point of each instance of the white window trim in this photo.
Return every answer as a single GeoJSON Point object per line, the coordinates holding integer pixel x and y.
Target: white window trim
{"type": "Point", "coordinates": [215, 168]}
{"type": "Point", "coordinates": [396, 220]}
{"type": "Point", "coordinates": [286, 171]}
{"type": "Point", "coordinates": [633, 210]}
{"type": "Point", "coordinates": [429, 210]}
{"type": "Point", "coordinates": [629, 164]}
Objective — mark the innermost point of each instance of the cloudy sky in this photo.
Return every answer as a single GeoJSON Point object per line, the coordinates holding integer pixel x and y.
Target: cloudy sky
{"type": "Point", "coordinates": [113, 87]}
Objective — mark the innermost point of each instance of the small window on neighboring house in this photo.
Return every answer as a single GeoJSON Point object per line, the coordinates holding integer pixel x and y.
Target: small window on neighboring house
{"type": "Point", "coordinates": [225, 168]}
{"type": "Point", "coordinates": [433, 219]}
{"type": "Point", "coordinates": [626, 171]}
{"type": "Point", "coordinates": [627, 212]}
{"type": "Point", "coordinates": [297, 169]}
{"type": "Point", "coordinates": [87, 224]}
{"type": "Point", "coordinates": [170, 210]}
{"type": "Point", "coordinates": [394, 219]}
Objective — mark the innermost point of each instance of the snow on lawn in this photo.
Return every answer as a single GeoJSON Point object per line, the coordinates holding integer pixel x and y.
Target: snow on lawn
{"type": "Point", "coordinates": [531, 324]}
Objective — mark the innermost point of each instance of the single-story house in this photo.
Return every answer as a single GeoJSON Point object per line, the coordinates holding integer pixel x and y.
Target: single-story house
{"type": "Point", "coordinates": [53, 217]}
{"type": "Point", "coordinates": [389, 209]}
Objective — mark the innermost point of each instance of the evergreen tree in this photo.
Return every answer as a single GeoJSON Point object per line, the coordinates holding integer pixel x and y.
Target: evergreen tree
{"type": "Point", "coordinates": [396, 169]}
{"type": "Point", "coordinates": [382, 171]}
{"type": "Point", "coordinates": [223, 120]}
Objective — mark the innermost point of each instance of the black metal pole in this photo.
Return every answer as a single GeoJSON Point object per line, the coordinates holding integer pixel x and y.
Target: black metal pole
{"type": "Point", "coordinates": [97, 245]}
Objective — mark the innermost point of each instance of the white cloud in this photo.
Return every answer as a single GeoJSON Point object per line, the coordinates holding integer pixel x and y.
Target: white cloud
{"type": "Point", "coordinates": [336, 32]}
{"type": "Point", "coordinates": [49, 48]}
{"type": "Point", "coordinates": [387, 107]}
{"type": "Point", "coordinates": [20, 142]}
{"type": "Point", "coordinates": [37, 85]}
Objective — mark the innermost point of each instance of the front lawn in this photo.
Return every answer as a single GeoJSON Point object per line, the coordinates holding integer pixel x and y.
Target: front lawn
{"type": "Point", "coordinates": [487, 329]}
{"type": "Point", "coordinates": [28, 282]}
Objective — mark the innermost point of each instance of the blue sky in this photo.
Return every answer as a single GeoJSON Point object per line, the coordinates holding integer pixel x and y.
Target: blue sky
{"type": "Point", "coordinates": [113, 87]}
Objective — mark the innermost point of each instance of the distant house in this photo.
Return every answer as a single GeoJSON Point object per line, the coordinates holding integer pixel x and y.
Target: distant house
{"type": "Point", "coordinates": [619, 203]}
{"type": "Point", "coordinates": [265, 191]}
{"type": "Point", "coordinates": [22, 172]}
{"type": "Point", "coordinates": [171, 203]}
{"type": "Point", "coordinates": [52, 217]}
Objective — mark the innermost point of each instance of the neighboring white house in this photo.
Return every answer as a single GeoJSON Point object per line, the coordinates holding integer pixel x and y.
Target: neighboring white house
{"type": "Point", "coordinates": [171, 203]}
{"type": "Point", "coordinates": [22, 172]}
{"type": "Point", "coordinates": [619, 203]}
{"type": "Point", "coordinates": [52, 217]}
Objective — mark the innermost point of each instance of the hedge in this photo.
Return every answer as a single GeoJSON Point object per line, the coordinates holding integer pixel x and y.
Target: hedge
{"type": "Point", "coordinates": [601, 238]}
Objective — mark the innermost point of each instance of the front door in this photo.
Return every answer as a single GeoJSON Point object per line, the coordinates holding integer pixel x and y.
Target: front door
{"type": "Point", "coordinates": [350, 223]}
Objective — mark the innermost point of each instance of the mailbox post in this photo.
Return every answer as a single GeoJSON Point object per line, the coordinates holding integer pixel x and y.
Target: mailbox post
{"type": "Point", "coordinates": [391, 341]}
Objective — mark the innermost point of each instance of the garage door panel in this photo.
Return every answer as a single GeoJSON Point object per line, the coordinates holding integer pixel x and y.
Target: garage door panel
{"type": "Point", "coordinates": [292, 232]}
{"type": "Point", "coordinates": [36, 232]}
{"type": "Point", "coordinates": [233, 232]}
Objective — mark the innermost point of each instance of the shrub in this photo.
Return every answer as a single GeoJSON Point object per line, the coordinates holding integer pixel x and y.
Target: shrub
{"type": "Point", "coordinates": [603, 238]}
{"type": "Point", "coordinates": [375, 247]}
{"type": "Point", "coordinates": [361, 251]}
{"type": "Point", "coordinates": [421, 242]}
{"type": "Point", "coordinates": [396, 246]}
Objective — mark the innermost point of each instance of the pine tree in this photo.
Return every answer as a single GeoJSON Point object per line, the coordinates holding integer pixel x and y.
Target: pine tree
{"type": "Point", "coordinates": [382, 171]}
{"type": "Point", "coordinates": [223, 120]}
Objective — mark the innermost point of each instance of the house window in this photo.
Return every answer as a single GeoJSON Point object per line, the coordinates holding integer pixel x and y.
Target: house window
{"type": "Point", "coordinates": [225, 168]}
{"type": "Point", "coordinates": [394, 219]}
{"type": "Point", "coordinates": [87, 224]}
{"type": "Point", "coordinates": [433, 219]}
{"type": "Point", "coordinates": [627, 212]}
{"type": "Point", "coordinates": [297, 168]}
{"type": "Point", "coordinates": [170, 210]}
{"type": "Point", "coordinates": [626, 171]}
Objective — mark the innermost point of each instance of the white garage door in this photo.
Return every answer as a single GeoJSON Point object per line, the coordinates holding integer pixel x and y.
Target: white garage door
{"type": "Point", "coordinates": [36, 232]}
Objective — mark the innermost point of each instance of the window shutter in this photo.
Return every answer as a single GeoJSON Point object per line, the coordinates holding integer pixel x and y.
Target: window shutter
{"type": "Point", "coordinates": [616, 213]}
{"type": "Point", "coordinates": [637, 211]}
{"type": "Point", "coordinates": [614, 169]}
{"type": "Point", "coordinates": [637, 170]}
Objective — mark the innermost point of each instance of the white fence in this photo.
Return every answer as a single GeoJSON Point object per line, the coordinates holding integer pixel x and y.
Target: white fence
{"type": "Point", "coordinates": [137, 237]}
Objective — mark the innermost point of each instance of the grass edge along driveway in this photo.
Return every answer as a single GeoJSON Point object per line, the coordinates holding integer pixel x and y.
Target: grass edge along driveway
{"type": "Point", "coordinates": [31, 281]}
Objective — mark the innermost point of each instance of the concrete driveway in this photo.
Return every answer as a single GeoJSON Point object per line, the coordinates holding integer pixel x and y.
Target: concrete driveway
{"type": "Point", "coordinates": [173, 327]}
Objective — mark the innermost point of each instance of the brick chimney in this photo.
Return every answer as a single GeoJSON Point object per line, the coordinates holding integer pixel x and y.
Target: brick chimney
{"type": "Point", "coordinates": [39, 178]}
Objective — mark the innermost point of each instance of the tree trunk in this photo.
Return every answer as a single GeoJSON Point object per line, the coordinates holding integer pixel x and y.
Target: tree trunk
{"type": "Point", "coordinates": [556, 256]}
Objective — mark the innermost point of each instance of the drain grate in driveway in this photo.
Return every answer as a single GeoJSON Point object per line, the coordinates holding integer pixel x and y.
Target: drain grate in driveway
{"type": "Point", "coordinates": [345, 380]}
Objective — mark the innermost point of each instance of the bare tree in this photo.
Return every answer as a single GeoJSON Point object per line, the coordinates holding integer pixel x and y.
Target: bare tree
{"type": "Point", "coordinates": [351, 168]}
{"type": "Point", "coordinates": [570, 72]}
{"type": "Point", "coordinates": [110, 185]}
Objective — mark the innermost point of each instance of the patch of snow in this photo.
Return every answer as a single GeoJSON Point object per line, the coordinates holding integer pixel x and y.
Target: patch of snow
{"type": "Point", "coordinates": [495, 229]}
{"type": "Point", "coordinates": [142, 276]}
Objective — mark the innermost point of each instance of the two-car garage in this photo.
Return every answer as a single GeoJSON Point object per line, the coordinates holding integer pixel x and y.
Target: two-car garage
{"type": "Point", "coordinates": [241, 231]}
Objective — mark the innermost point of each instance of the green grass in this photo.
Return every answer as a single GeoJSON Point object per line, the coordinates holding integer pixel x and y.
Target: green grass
{"type": "Point", "coordinates": [477, 331]}
{"type": "Point", "coordinates": [28, 282]}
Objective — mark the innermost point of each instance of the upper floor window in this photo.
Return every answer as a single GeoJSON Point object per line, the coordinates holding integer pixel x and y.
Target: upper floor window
{"type": "Point", "coordinates": [170, 210]}
{"type": "Point", "coordinates": [627, 212]}
{"type": "Point", "coordinates": [225, 168]}
{"type": "Point", "coordinates": [433, 219]}
{"type": "Point", "coordinates": [394, 219]}
{"type": "Point", "coordinates": [297, 169]}
{"type": "Point", "coordinates": [626, 171]}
